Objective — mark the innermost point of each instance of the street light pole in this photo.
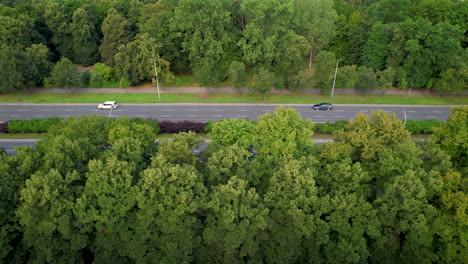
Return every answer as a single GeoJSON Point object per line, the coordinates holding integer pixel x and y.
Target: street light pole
{"type": "Point", "coordinates": [156, 73]}
{"type": "Point", "coordinates": [334, 80]}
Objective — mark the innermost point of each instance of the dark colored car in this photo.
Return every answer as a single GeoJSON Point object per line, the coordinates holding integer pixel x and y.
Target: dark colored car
{"type": "Point", "coordinates": [323, 106]}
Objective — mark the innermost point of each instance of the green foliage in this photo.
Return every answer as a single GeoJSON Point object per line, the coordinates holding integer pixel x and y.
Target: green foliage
{"type": "Point", "coordinates": [165, 193]}
{"type": "Point", "coordinates": [116, 31]}
{"type": "Point", "coordinates": [376, 48]}
{"type": "Point", "coordinates": [303, 80]}
{"type": "Point", "coordinates": [347, 77]}
{"type": "Point", "coordinates": [453, 80]}
{"type": "Point", "coordinates": [328, 128]}
{"type": "Point", "coordinates": [283, 133]}
{"type": "Point", "coordinates": [96, 80]}
{"type": "Point", "coordinates": [35, 125]}
{"type": "Point", "coordinates": [84, 38]}
{"type": "Point", "coordinates": [106, 72]}
{"type": "Point", "coordinates": [325, 65]}
{"type": "Point", "coordinates": [65, 74]}
{"type": "Point", "coordinates": [316, 24]}
{"type": "Point", "coordinates": [238, 74]}
{"type": "Point", "coordinates": [422, 126]}
{"type": "Point", "coordinates": [263, 82]}
{"type": "Point", "coordinates": [124, 83]}
{"type": "Point", "coordinates": [133, 61]}
{"type": "Point", "coordinates": [13, 63]}
{"type": "Point", "coordinates": [228, 132]}
{"type": "Point", "coordinates": [234, 223]}
{"type": "Point", "coordinates": [386, 78]}
{"type": "Point", "coordinates": [451, 136]}
{"type": "Point", "coordinates": [367, 81]}
{"type": "Point", "coordinates": [16, 32]}
{"type": "Point", "coordinates": [209, 45]}
{"type": "Point", "coordinates": [261, 191]}
{"type": "Point", "coordinates": [40, 66]}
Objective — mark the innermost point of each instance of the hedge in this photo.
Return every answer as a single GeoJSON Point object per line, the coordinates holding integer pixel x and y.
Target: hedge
{"type": "Point", "coordinates": [422, 126]}
{"type": "Point", "coordinates": [41, 125]}
{"type": "Point", "coordinates": [35, 125]}
{"type": "Point", "coordinates": [147, 121]}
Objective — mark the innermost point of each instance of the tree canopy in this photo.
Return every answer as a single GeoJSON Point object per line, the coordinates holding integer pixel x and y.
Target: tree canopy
{"type": "Point", "coordinates": [424, 42]}
{"type": "Point", "coordinates": [102, 190]}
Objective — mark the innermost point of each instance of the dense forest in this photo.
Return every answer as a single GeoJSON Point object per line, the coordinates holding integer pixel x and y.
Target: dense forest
{"type": "Point", "coordinates": [291, 44]}
{"type": "Point", "coordinates": [98, 190]}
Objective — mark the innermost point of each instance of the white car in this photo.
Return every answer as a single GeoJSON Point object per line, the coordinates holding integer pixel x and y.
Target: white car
{"type": "Point", "coordinates": [108, 105]}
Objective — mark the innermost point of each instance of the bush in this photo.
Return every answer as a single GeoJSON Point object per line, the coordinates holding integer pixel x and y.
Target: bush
{"type": "Point", "coordinates": [3, 127]}
{"type": "Point", "coordinates": [328, 127]}
{"type": "Point", "coordinates": [35, 125]}
{"type": "Point", "coordinates": [209, 126]}
{"type": "Point", "coordinates": [422, 126]}
{"type": "Point", "coordinates": [106, 72]}
{"type": "Point", "coordinates": [148, 121]}
{"type": "Point", "coordinates": [367, 81]}
{"type": "Point", "coordinates": [183, 126]}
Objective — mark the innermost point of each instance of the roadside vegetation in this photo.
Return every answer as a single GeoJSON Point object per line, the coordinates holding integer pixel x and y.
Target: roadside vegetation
{"type": "Point", "coordinates": [373, 44]}
{"type": "Point", "coordinates": [99, 190]}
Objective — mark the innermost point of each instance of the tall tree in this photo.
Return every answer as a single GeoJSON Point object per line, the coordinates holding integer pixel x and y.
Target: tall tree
{"type": "Point", "coordinates": [85, 38]}
{"type": "Point", "coordinates": [269, 40]}
{"type": "Point", "coordinates": [65, 74]}
{"type": "Point", "coordinates": [451, 136]}
{"type": "Point", "coordinates": [116, 31]}
{"type": "Point", "coordinates": [13, 63]}
{"type": "Point", "coordinates": [133, 61]}
{"type": "Point", "coordinates": [207, 38]}
{"type": "Point", "coordinates": [16, 32]}
{"type": "Point", "coordinates": [105, 208]}
{"type": "Point", "coordinates": [263, 82]}
{"type": "Point", "coordinates": [316, 22]}
{"type": "Point", "coordinates": [376, 49]}
{"type": "Point", "coordinates": [156, 20]}
{"type": "Point", "coordinates": [234, 224]}
{"type": "Point", "coordinates": [325, 64]}
{"type": "Point", "coordinates": [170, 198]}
{"type": "Point", "coordinates": [38, 57]}
{"type": "Point", "coordinates": [367, 81]}
{"type": "Point", "coordinates": [295, 227]}
{"type": "Point", "coordinates": [238, 75]}
{"type": "Point", "coordinates": [59, 23]}
{"type": "Point", "coordinates": [49, 225]}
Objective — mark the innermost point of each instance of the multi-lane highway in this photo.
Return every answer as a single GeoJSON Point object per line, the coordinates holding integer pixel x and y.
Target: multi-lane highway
{"type": "Point", "coordinates": [205, 112]}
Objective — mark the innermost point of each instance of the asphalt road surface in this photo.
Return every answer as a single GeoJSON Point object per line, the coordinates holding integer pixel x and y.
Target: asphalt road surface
{"type": "Point", "coordinates": [206, 112]}
{"type": "Point", "coordinates": [10, 144]}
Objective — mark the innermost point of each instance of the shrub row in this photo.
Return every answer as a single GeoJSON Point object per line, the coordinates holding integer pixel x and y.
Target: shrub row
{"type": "Point", "coordinates": [147, 121]}
{"type": "Point", "coordinates": [183, 126]}
{"type": "Point", "coordinates": [422, 126]}
{"type": "Point", "coordinates": [3, 127]}
{"type": "Point", "coordinates": [35, 125]}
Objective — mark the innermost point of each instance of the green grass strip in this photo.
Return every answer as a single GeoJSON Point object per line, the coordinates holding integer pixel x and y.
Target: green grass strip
{"type": "Point", "coordinates": [231, 98]}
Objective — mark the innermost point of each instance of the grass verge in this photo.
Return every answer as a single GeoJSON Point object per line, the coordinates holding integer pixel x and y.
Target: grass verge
{"type": "Point", "coordinates": [231, 98]}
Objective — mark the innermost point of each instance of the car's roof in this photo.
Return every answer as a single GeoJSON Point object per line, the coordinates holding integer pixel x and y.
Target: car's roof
{"type": "Point", "coordinates": [109, 102]}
